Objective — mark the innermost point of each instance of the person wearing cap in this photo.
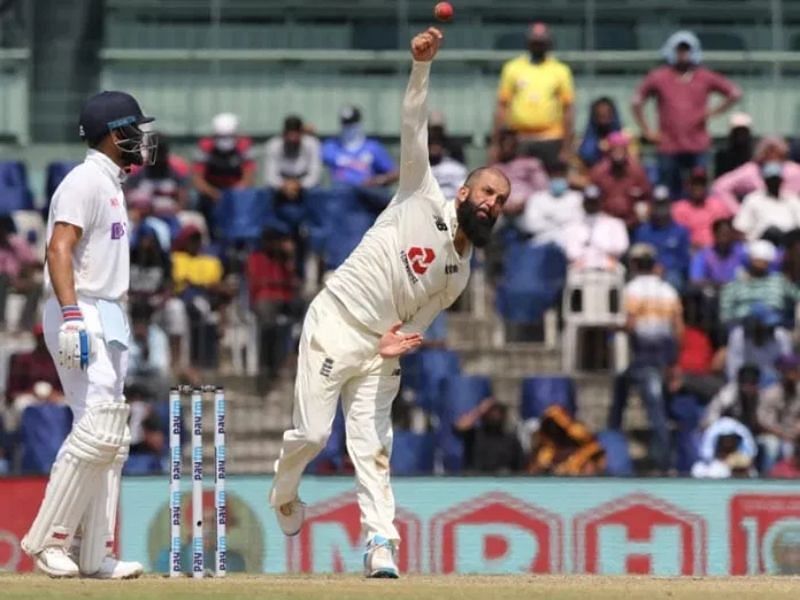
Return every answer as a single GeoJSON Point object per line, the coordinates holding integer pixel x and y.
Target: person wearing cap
{"type": "Point", "coordinates": [739, 144]}
{"type": "Point", "coordinates": [597, 240]}
{"type": "Point", "coordinates": [536, 99]}
{"type": "Point", "coordinates": [355, 159]}
{"type": "Point", "coordinates": [86, 331]}
{"type": "Point", "coordinates": [773, 208]}
{"type": "Point", "coordinates": [621, 179]}
{"type": "Point", "coordinates": [670, 240]}
{"type": "Point", "coordinates": [292, 161]}
{"type": "Point", "coordinates": [735, 185]}
{"type": "Point", "coordinates": [699, 210]}
{"type": "Point", "coordinates": [19, 269]}
{"type": "Point", "coordinates": [654, 322]}
{"type": "Point", "coordinates": [682, 89]}
{"type": "Point", "coordinates": [526, 173]}
{"type": "Point", "coordinates": [222, 161]}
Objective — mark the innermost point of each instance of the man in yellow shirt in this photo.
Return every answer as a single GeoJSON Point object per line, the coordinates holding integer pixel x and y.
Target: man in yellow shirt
{"type": "Point", "coordinates": [536, 98]}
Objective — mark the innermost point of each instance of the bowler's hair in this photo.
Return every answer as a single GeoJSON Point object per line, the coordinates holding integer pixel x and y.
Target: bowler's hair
{"type": "Point", "coordinates": [475, 174]}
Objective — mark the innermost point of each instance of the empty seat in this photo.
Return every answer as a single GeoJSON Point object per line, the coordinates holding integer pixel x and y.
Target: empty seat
{"type": "Point", "coordinates": [412, 453]}
{"type": "Point", "coordinates": [54, 175]}
{"type": "Point", "coordinates": [425, 371]}
{"type": "Point", "coordinates": [14, 191]}
{"type": "Point", "coordinates": [460, 394]}
{"type": "Point", "coordinates": [241, 214]}
{"type": "Point", "coordinates": [618, 458]}
{"type": "Point", "coordinates": [539, 393]}
{"type": "Point", "coordinates": [43, 429]}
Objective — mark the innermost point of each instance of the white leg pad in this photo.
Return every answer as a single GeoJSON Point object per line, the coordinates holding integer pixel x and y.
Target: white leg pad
{"type": "Point", "coordinates": [100, 519]}
{"type": "Point", "coordinates": [78, 475]}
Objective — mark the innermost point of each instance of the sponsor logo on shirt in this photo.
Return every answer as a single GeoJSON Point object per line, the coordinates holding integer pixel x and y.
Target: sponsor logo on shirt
{"type": "Point", "coordinates": [117, 231]}
{"type": "Point", "coordinates": [420, 259]}
{"type": "Point", "coordinates": [411, 277]}
{"type": "Point", "coordinates": [450, 269]}
{"type": "Point", "coordinates": [440, 224]}
{"type": "Point", "coordinates": [327, 367]}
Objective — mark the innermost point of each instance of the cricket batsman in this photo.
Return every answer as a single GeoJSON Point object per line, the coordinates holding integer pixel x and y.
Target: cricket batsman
{"type": "Point", "coordinates": [414, 262]}
{"type": "Point", "coordinates": [86, 331]}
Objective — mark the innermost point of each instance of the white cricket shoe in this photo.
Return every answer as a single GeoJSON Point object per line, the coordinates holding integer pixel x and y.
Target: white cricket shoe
{"type": "Point", "coordinates": [112, 568]}
{"type": "Point", "coordinates": [55, 562]}
{"type": "Point", "coordinates": [379, 561]}
{"type": "Point", "coordinates": [291, 516]}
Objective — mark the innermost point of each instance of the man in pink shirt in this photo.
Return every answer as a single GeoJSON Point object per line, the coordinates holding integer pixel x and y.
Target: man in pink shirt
{"type": "Point", "coordinates": [17, 260]}
{"type": "Point", "coordinates": [699, 211]}
{"type": "Point", "coordinates": [526, 173]}
{"type": "Point", "coordinates": [682, 89]}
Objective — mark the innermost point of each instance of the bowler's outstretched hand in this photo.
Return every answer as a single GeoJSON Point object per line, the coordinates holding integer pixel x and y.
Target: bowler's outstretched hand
{"type": "Point", "coordinates": [425, 45]}
{"type": "Point", "coordinates": [393, 343]}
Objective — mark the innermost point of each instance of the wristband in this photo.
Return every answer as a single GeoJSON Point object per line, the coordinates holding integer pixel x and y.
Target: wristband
{"type": "Point", "coordinates": [71, 312]}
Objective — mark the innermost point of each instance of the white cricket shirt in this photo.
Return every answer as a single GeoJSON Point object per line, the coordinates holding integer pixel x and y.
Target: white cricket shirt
{"type": "Point", "coordinates": [406, 268]}
{"type": "Point", "coordinates": [90, 197]}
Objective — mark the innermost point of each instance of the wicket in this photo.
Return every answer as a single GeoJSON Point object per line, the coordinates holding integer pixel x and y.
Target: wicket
{"type": "Point", "coordinates": [176, 459]}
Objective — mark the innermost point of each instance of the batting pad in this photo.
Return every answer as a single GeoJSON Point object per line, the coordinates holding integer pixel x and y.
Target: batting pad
{"type": "Point", "coordinates": [99, 520]}
{"type": "Point", "coordinates": [78, 475]}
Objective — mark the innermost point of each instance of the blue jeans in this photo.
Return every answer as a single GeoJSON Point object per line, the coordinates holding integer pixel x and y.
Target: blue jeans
{"type": "Point", "coordinates": [650, 383]}
{"type": "Point", "coordinates": [673, 170]}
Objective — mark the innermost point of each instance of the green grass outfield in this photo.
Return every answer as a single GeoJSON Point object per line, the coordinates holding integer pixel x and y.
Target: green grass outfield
{"type": "Point", "coordinates": [348, 587]}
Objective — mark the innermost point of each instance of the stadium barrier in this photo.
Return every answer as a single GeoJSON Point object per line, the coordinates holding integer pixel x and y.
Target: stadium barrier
{"type": "Point", "coordinates": [480, 525]}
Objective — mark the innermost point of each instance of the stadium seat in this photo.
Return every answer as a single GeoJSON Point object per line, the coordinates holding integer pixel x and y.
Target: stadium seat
{"type": "Point", "coordinates": [686, 411]}
{"type": "Point", "coordinates": [425, 370]}
{"type": "Point", "coordinates": [43, 429]}
{"type": "Point", "coordinates": [351, 212]}
{"type": "Point", "coordinates": [539, 393]}
{"type": "Point", "coordinates": [14, 191]}
{"type": "Point", "coordinates": [460, 394]}
{"type": "Point", "coordinates": [241, 214]}
{"type": "Point", "coordinates": [143, 464]}
{"type": "Point", "coordinates": [412, 453]}
{"type": "Point", "coordinates": [618, 458]}
{"type": "Point", "coordinates": [55, 173]}
{"type": "Point", "coordinates": [30, 225]}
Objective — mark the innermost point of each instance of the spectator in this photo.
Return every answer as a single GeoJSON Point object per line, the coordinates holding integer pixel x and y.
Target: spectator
{"type": "Point", "coordinates": [146, 453]}
{"type": "Point", "coordinates": [774, 208]}
{"type": "Point", "coordinates": [292, 161]}
{"type": "Point", "coordinates": [670, 240]}
{"type": "Point", "coordinates": [739, 146]}
{"type": "Point", "coordinates": [699, 211]}
{"type": "Point", "coordinates": [654, 323]}
{"type": "Point", "coordinates": [789, 467]}
{"type": "Point", "coordinates": [525, 173]}
{"type": "Point", "coordinates": [735, 185]}
{"type": "Point", "coordinates": [437, 127]}
{"type": "Point", "coordinates": [27, 368]}
{"type": "Point", "coordinates": [565, 446]}
{"type": "Point", "coordinates": [621, 179]}
{"type": "Point", "coordinates": [535, 99]}
{"type": "Point", "coordinates": [449, 173]}
{"type": "Point", "coordinates": [682, 89]}
{"type": "Point", "coordinates": [727, 449]}
{"type": "Point", "coordinates": [148, 356]}
{"type": "Point", "coordinates": [738, 399]}
{"type": "Point", "coordinates": [19, 268]}
{"type": "Point", "coordinates": [597, 240]}
{"type": "Point", "coordinates": [488, 447]}
{"type": "Point", "coordinates": [549, 213]}
{"type": "Point", "coordinates": [603, 120]}
{"type": "Point", "coordinates": [719, 264]}
{"type": "Point", "coordinates": [222, 161]}
{"type": "Point", "coordinates": [759, 339]}
{"type": "Point", "coordinates": [778, 413]}
{"type": "Point", "coordinates": [161, 188]}
{"type": "Point", "coordinates": [274, 298]}
{"type": "Point", "coordinates": [790, 262]}
{"type": "Point", "coordinates": [354, 159]}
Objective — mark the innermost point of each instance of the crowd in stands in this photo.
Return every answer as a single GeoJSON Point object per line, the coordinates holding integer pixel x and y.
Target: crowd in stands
{"type": "Point", "coordinates": [697, 251]}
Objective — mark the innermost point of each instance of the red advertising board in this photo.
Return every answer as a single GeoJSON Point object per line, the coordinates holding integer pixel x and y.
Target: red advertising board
{"type": "Point", "coordinates": [19, 502]}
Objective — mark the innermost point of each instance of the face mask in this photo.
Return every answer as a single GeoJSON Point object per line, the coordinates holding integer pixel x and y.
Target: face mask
{"type": "Point", "coordinates": [558, 185]}
{"type": "Point", "coordinates": [225, 143]}
{"type": "Point", "coordinates": [352, 134]}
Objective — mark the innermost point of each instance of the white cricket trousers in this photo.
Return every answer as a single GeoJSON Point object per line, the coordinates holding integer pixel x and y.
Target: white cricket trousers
{"type": "Point", "coordinates": [339, 356]}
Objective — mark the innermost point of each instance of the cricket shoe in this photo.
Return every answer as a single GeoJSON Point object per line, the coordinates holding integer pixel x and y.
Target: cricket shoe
{"type": "Point", "coordinates": [55, 562]}
{"type": "Point", "coordinates": [291, 516]}
{"type": "Point", "coordinates": [112, 568]}
{"type": "Point", "coordinates": [379, 560]}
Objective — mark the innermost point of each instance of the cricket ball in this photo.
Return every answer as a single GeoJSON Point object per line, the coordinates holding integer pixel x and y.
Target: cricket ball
{"type": "Point", "coordinates": [443, 11]}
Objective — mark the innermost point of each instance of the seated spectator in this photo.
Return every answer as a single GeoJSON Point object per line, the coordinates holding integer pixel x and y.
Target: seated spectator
{"type": "Point", "coordinates": [437, 127]}
{"type": "Point", "coordinates": [274, 295]}
{"type": "Point", "coordinates": [778, 413]}
{"type": "Point", "coordinates": [525, 173]}
{"type": "Point", "coordinates": [354, 159]}
{"type": "Point", "coordinates": [720, 263]}
{"type": "Point", "coordinates": [735, 185]}
{"type": "Point", "coordinates": [728, 451]}
{"type": "Point", "coordinates": [699, 211]}
{"type": "Point", "coordinates": [670, 240]}
{"type": "Point", "coordinates": [738, 399]}
{"type": "Point", "coordinates": [151, 444]}
{"type": "Point", "coordinates": [760, 339]}
{"type": "Point", "coordinates": [19, 268]}
{"type": "Point", "coordinates": [597, 240]}
{"type": "Point", "coordinates": [564, 446]}
{"type": "Point", "coordinates": [790, 261]}
{"type": "Point", "coordinates": [771, 212]}
{"type": "Point", "coordinates": [449, 173]}
{"type": "Point", "coordinates": [654, 323]}
{"type": "Point", "coordinates": [222, 161]}
{"type": "Point", "coordinates": [27, 368]}
{"type": "Point", "coordinates": [789, 467]}
{"type": "Point", "coordinates": [148, 355]}
{"type": "Point", "coordinates": [738, 148]}
{"type": "Point", "coordinates": [621, 179]}
{"type": "Point", "coordinates": [161, 188]}
{"type": "Point", "coordinates": [292, 161]}
{"type": "Point", "coordinates": [603, 120]}
{"type": "Point", "coordinates": [549, 213]}
{"type": "Point", "coordinates": [488, 447]}
{"type": "Point", "coordinates": [700, 367]}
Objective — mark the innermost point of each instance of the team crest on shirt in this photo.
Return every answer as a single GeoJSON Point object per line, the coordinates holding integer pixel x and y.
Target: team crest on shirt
{"type": "Point", "coordinates": [117, 231]}
{"type": "Point", "coordinates": [115, 202]}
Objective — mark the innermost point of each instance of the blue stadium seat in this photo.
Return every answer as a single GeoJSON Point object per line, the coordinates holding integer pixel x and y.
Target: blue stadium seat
{"type": "Point", "coordinates": [43, 429]}
{"type": "Point", "coordinates": [618, 458]}
{"type": "Point", "coordinates": [533, 278]}
{"type": "Point", "coordinates": [15, 194]}
{"type": "Point", "coordinates": [331, 459]}
{"type": "Point", "coordinates": [460, 394]}
{"type": "Point", "coordinates": [425, 370]}
{"type": "Point", "coordinates": [55, 173]}
{"type": "Point", "coordinates": [350, 214]}
{"type": "Point", "coordinates": [241, 214]}
{"type": "Point", "coordinates": [143, 464]}
{"type": "Point", "coordinates": [687, 412]}
{"type": "Point", "coordinates": [412, 453]}
{"type": "Point", "coordinates": [539, 393]}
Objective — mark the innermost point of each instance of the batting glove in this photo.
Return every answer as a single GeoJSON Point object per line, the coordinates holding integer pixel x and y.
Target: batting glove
{"type": "Point", "coordinates": [73, 339]}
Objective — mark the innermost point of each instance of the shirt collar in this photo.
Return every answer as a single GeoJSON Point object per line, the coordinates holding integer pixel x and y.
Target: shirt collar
{"type": "Point", "coordinates": [108, 166]}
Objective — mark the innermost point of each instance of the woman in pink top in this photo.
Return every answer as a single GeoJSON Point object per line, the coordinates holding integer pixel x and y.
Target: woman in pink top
{"type": "Point", "coordinates": [733, 186]}
{"type": "Point", "coordinates": [699, 211]}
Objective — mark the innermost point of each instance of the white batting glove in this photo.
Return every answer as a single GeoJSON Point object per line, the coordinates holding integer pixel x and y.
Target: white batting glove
{"type": "Point", "coordinates": [73, 339]}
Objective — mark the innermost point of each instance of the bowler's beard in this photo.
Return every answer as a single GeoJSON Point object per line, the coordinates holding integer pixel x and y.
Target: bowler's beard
{"type": "Point", "coordinates": [477, 229]}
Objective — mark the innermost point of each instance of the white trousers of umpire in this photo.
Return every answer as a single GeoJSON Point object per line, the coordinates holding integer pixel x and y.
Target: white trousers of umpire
{"type": "Point", "coordinates": [339, 356]}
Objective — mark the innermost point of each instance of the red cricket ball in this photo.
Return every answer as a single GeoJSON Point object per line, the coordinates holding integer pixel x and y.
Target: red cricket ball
{"type": "Point", "coordinates": [443, 11]}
